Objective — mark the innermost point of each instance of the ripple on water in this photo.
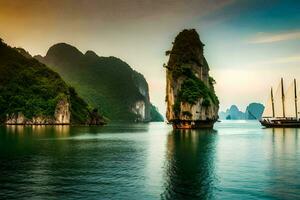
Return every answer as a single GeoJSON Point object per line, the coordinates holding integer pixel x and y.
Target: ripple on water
{"type": "Point", "coordinates": [236, 160]}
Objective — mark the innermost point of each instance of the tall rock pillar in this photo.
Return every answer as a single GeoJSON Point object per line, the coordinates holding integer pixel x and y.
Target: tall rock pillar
{"type": "Point", "coordinates": [190, 96]}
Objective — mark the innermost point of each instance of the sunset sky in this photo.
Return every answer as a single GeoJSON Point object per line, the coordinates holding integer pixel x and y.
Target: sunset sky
{"type": "Point", "coordinates": [249, 44]}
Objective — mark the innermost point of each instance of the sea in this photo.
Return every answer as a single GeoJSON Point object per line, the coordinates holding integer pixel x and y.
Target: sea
{"type": "Point", "coordinates": [234, 160]}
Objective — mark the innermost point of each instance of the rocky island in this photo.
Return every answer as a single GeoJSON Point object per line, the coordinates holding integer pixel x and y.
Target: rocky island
{"type": "Point", "coordinates": [253, 111]}
{"type": "Point", "coordinates": [190, 96]}
{"type": "Point", "coordinates": [106, 83]}
{"type": "Point", "coordinates": [33, 94]}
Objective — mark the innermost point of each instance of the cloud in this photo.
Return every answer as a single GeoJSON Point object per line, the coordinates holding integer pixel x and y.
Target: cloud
{"type": "Point", "coordinates": [274, 37]}
{"type": "Point", "coordinates": [291, 61]}
{"type": "Point", "coordinates": [283, 60]}
{"type": "Point", "coordinates": [107, 10]}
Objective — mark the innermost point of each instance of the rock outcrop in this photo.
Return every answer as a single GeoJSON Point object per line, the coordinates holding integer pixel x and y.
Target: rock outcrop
{"type": "Point", "coordinates": [61, 116]}
{"type": "Point", "coordinates": [62, 112]}
{"type": "Point", "coordinates": [18, 118]}
{"type": "Point", "coordinates": [95, 118]}
{"type": "Point", "coordinates": [233, 113]}
{"type": "Point", "coordinates": [253, 112]}
{"type": "Point", "coordinates": [139, 110]}
{"type": "Point", "coordinates": [190, 96]}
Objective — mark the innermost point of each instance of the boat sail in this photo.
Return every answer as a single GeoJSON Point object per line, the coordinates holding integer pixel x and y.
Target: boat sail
{"type": "Point", "coordinates": [291, 101]}
{"type": "Point", "coordinates": [279, 106]}
{"type": "Point", "coordinates": [269, 107]}
{"type": "Point", "coordinates": [281, 110]}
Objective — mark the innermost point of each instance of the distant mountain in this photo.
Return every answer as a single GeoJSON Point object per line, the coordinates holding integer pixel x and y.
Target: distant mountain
{"type": "Point", "coordinates": [107, 83]}
{"type": "Point", "coordinates": [232, 113]}
{"type": "Point", "coordinates": [31, 93]}
{"type": "Point", "coordinates": [253, 111]}
{"type": "Point", "coordinates": [155, 115]}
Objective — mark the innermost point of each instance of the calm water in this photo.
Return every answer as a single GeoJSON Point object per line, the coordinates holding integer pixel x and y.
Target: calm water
{"type": "Point", "coordinates": [236, 160]}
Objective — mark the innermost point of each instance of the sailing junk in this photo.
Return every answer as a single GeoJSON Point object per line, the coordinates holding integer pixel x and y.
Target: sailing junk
{"type": "Point", "coordinates": [281, 110]}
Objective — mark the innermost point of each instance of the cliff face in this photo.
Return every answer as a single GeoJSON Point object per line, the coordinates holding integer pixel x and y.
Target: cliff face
{"type": "Point", "coordinates": [62, 115]}
{"type": "Point", "coordinates": [190, 95]}
{"type": "Point", "coordinates": [106, 83]}
{"type": "Point", "coordinates": [31, 93]}
{"type": "Point", "coordinates": [141, 107]}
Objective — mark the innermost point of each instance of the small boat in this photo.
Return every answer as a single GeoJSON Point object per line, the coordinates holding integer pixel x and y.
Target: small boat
{"type": "Point", "coordinates": [281, 110]}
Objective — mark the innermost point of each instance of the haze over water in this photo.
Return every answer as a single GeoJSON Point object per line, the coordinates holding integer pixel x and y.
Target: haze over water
{"type": "Point", "coordinates": [249, 44]}
{"type": "Point", "coordinates": [236, 160]}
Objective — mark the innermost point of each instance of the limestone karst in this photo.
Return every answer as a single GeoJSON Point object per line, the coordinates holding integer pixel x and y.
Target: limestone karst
{"type": "Point", "coordinates": [31, 93]}
{"type": "Point", "coordinates": [253, 111]}
{"type": "Point", "coordinates": [107, 83]}
{"type": "Point", "coordinates": [190, 96]}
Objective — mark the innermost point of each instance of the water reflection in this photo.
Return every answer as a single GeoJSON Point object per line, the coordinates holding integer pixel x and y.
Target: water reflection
{"type": "Point", "coordinates": [190, 170]}
{"type": "Point", "coordinates": [58, 130]}
{"type": "Point", "coordinates": [284, 163]}
{"type": "Point", "coordinates": [18, 140]}
{"type": "Point", "coordinates": [239, 161]}
{"type": "Point", "coordinates": [285, 136]}
{"type": "Point", "coordinates": [72, 162]}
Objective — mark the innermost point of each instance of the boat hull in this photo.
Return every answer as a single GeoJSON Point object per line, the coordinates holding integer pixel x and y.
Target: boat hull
{"type": "Point", "coordinates": [283, 123]}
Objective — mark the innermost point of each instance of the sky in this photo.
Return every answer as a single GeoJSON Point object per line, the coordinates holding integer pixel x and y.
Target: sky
{"type": "Point", "coordinates": [249, 45]}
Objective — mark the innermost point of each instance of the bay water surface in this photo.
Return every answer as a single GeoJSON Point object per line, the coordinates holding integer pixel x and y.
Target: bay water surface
{"type": "Point", "coordinates": [235, 160]}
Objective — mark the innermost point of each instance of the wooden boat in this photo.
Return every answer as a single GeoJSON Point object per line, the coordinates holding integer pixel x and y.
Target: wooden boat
{"type": "Point", "coordinates": [281, 110]}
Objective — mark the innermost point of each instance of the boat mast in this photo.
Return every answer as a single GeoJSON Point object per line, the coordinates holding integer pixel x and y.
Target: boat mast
{"type": "Point", "coordinates": [295, 90]}
{"type": "Point", "coordinates": [272, 100]}
{"type": "Point", "coordinates": [282, 93]}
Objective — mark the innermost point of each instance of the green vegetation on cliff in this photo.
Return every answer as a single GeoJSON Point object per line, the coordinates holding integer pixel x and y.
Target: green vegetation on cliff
{"type": "Point", "coordinates": [155, 115]}
{"type": "Point", "coordinates": [192, 89]}
{"type": "Point", "coordinates": [29, 87]}
{"type": "Point", "coordinates": [188, 63]}
{"type": "Point", "coordinates": [186, 49]}
{"type": "Point", "coordinates": [107, 83]}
